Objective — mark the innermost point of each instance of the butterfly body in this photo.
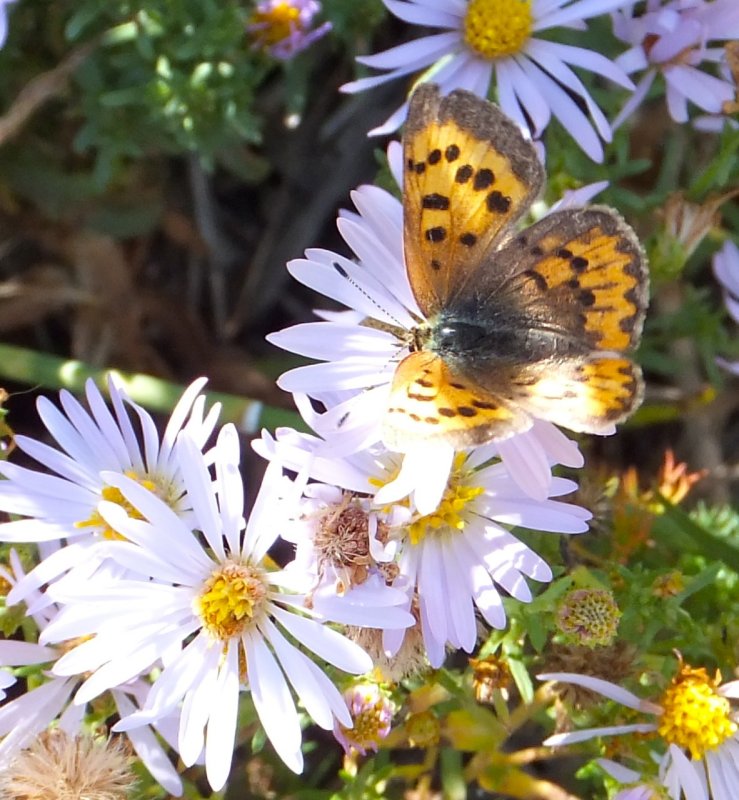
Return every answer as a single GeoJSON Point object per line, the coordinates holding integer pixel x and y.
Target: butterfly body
{"type": "Point", "coordinates": [516, 325]}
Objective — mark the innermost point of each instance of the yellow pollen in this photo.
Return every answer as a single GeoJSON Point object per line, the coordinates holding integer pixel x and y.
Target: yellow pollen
{"type": "Point", "coordinates": [496, 28]}
{"type": "Point", "coordinates": [450, 513]}
{"type": "Point", "coordinates": [113, 495]}
{"type": "Point", "coordinates": [231, 599]}
{"type": "Point", "coordinates": [276, 23]}
{"type": "Point", "coordinates": [696, 717]}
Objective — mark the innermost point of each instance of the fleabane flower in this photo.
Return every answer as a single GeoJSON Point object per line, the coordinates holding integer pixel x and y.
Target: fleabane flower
{"type": "Point", "coordinates": [283, 27]}
{"type": "Point", "coordinates": [694, 721]}
{"type": "Point", "coordinates": [726, 270]}
{"type": "Point", "coordinates": [361, 347]}
{"type": "Point", "coordinates": [372, 714]}
{"type": "Point", "coordinates": [672, 39]}
{"type": "Point", "coordinates": [484, 42]}
{"type": "Point", "coordinates": [344, 559]}
{"type": "Point", "coordinates": [49, 703]}
{"type": "Point", "coordinates": [209, 610]}
{"type": "Point", "coordinates": [63, 507]}
{"type": "Point", "coordinates": [451, 560]}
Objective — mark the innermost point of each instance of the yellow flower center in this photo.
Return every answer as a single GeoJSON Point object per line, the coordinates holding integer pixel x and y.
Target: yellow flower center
{"type": "Point", "coordinates": [450, 513]}
{"type": "Point", "coordinates": [495, 28]}
{"type": "Point", "coordinates": [276, 23]}
{"type": "Point", "coordinates": [696, 717]}
{"type": "Point", "coordinates": [231, 599]}
{"type": "Point", "coordinates": [113, 495]}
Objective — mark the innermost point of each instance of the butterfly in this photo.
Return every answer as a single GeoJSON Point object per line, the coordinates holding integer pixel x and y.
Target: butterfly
{"type": "Point", "coordinates": [516, 325]}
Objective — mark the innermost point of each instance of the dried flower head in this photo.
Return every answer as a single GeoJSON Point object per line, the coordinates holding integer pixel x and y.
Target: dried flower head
{"type": "Point", "coordinates": [58, 766]}
{"type": "Point", "coordinates": [614, 663]}
{"type": "Point", "coordinates": [589, 617]}
{"type": "Point", "coordinates": [489, 675]}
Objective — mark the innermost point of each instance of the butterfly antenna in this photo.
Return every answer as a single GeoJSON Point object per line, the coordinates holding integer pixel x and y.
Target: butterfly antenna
{"type": "Point", "coordinates": [344, 274]}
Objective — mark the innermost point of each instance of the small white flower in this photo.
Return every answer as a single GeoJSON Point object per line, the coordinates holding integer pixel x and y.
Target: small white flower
{"type": "Point", "coordinates": [672, 39]}
{"type": "Point", "coordinates": [209, 611]}
{"type": "Point", "coordinates": [23, 718]}
{"type": "Point", "coordinates": [695, 723]}
{"type": "Point", "coordinates": [63, 507]}
{"type": "Point", "coordinates": [343, 559]}
{"type": "Point", "coordinates": [454, 557]}
{"type": "Point", "coordinates": [495, 41]}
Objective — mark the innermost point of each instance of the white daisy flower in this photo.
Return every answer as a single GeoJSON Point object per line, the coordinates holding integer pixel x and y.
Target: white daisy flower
{"type": "Point", "coordinates": [359, 359]}
{"type": "Point", "coordinates": [457, 556]}
{"type": "Point", "coordinates": [63, 507]}
{"type": "Point", "coordinates": [693, 719]}
{"type": "Point", "coordinates": [486, 41]}
{"type": "Point", "coordinates": [209, 611]}
{"type": "Point", "coordinates": [25, 717]}
{"type": "Point", "coordinates": [672, 39]}
{"type": "Point", "coordinates": [344, 560]}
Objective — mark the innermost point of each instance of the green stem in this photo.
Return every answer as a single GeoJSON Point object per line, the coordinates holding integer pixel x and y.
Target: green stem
{"type": "Point", "coordinates": [51, 372]}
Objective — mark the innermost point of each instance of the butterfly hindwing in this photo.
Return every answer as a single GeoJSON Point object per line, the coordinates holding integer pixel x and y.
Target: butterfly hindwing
{"type": "Point", "coordinates": [468, 176]}
{"type": "Point", "coordinates": [588, 395]}
{"type": "Point", "coordinates": [429, 401]}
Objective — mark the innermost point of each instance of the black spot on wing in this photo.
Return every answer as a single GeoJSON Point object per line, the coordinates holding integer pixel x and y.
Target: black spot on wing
{"type": "Point", "coordinates": [435, 202]}
{"type": "Point", "coordinates": [483, 179]}
{"type": "Point", "coordinates": [497, 202]}
{"type": "Point", "coordinates": [464, 173]}
{"type": "Point", "coordinates": [436, 234]}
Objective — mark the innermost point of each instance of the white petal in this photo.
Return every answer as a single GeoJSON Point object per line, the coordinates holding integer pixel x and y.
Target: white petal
{"type": "Point", "coordinates": [325, 642]}
{"type": "Point", "coordinates": [574, 737]}
{"type": "Point", "coordinates": [148, 749]}
{"type": "Point", "coordinates": [312, 691]}
{"type": "Point", "coordinates": [219, 742]}
{"type": "Point", "coordinates": [273, 703]}
{"type": "Point", "coordinates": [603, 687]}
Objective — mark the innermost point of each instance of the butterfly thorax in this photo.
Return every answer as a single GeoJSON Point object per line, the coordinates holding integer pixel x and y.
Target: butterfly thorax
{"type": "Point", "coordinates": [461, 339]}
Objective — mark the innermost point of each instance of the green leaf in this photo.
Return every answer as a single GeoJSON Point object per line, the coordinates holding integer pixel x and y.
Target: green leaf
{"type": "Point", "coordinates": [521, 676]}
{"type": "Point", "coordinates": [675, 522]}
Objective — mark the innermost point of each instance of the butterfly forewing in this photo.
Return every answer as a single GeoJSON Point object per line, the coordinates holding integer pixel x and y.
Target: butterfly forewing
{"type": "Point", "coordinates": [579, 273]}
{"type": "Point", "coordinates": [468, 176]}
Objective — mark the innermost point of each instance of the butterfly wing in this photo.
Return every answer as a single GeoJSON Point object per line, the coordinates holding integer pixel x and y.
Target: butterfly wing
{"type": "Point", "coordinates": [429, 401]}
{"type": "Point", "coordinates": [468, 176]}
{"type": "Point", "coordinates": [576, 282]}
{"type": "Point", "coordinates": [589, 394]}
{"type": "Point", "coordinates": [580, 274]}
